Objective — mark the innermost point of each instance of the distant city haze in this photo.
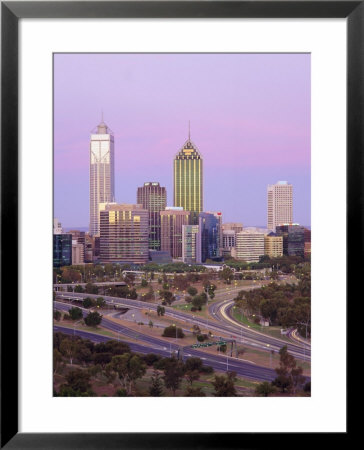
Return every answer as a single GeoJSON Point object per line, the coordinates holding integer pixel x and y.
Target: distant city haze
{"type": "Point", "coordinates": [250, 119]}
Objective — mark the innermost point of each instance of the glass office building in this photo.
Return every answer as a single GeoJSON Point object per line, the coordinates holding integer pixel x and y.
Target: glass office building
{"type": "Point", "coordinates": [62, 250]}
{"type": "Point", "coordinates": [188, 180]}
{"type": "Point", "coordinates": [210, 236]}
{"type": "Point", "coordinates": [293, 239]}
{"type": "Point", "coordinates": [153, 197]}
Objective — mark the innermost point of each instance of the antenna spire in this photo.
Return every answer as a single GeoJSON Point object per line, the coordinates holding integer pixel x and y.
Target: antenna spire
{"type": "Point", "coordinates": [189, 130]}
{"type": "Point", "coordinates": [102, 116]}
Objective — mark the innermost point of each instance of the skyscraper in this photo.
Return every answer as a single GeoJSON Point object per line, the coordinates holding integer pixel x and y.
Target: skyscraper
{"type": "Point", "coordinates": [209, 243]}
{"type": "Point", "coordinates": [188, 180]}
{"type": "Point", "coordinates": [101, 173]}
{"type": "Point", "coordinates": [124, 234]}
{"type": "Point", "coordinates": [280, 204]}
{"type": "Point", "coordinates": [172, 220]}
{"type": "Point", "coordinates": [153, 197]}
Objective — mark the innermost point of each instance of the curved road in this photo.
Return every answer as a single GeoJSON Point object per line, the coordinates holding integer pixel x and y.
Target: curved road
{"type": "Point", "coordinates": [222, 311]}
{"type": "Point", "coordinates": [240, 333]}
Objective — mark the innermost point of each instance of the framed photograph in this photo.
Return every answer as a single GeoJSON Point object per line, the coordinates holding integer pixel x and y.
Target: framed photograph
{"type": "Point", "coordinates": [162, 163]}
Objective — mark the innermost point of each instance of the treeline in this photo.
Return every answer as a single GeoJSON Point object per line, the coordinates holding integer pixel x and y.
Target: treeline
{"type": "Point", "coordinates": [285, 263]}
{"type": "Point", "coordinates": [83, 363]}
{"type": "Point", "coordinates": [92, 319]}
{"type": "Point", "coordinates": [285, 305]}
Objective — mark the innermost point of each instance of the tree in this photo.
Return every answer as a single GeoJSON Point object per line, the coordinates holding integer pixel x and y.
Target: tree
{"type": "Point", "coordinates": [68, 348]}
{"type": "Point", "coordinates": [100, 302]}
{"type": "Point", "coordinates": [226, 274]}
{"type": "Point", "coordinates": [192, 375]}
{"type": "Point", "coordinates": [113, 347]}
{"type": "Point", "coordinates": [93, 319]}
{"type": "Point", "coordinates": [102, 359]}
{"type": "Point", "coordinates": [57, 315]}
{"type": "Point", "coordinates": [83, 353]}
{"type": "Point", "coordinates": [156, 388]}
{"type": "Point", "coordinates": [57, 360]}
{"type": "Point", "coordinates": [129, 278]}
{"type": "Point", "coordinates": [192, 291]}
{"type": "Point", "coordinates": [150, 324]}
{"type": "Point", "coordinates": [194, 392]}
{"type": "Point", "coordinates": [91, 289]}
{"type": "Point", "coordinates": [128, 368]}
{"type": "Point", "coordinates": [78, 380]}
{"type": "Point", "coordinates": [144, 283]}
{"type": "Point", "coordinates": [88, 302]}
{"type": "Point", "coordinates": [289, 376]}
{"type": "Point", "coordinates": [75, 313]}
{"type": "Point", "coordinates": [198, 301]}
{"type": "Point", "coordinates": [307, 387]}
{"type": "Point", "coordinates": [70, 275]}
{"type": "Point", "coordinates": [151, 358]}
{"type": "Point", "coordinates": [209, 288]}
{"type": "Point", "coordinates": [225, 385]}
{"type": "Point", "coordinates": [174, 332]}
{"type": "Point", "coordinates": [173, 374]}
{"type": "Point", "coordinates": [180, 282]}
{"type": "Point", "coordinates": [167, 296]}
{"type": "Point", "coordinates": [79, 289]}
{"type": "Point", "coordinates": [150, 294]}
{"type": "Point", "coordinates": [264, 389]}
{"type": "Point", "coordinates": [160, 310]}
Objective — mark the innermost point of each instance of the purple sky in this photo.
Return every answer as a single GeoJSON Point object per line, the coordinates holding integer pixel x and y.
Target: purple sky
{"type": "Point", "coordinates": [250, 119]}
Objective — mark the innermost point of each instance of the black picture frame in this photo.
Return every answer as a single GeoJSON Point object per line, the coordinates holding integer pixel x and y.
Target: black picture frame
{"type": "Point", "coordinates": [11, 12]}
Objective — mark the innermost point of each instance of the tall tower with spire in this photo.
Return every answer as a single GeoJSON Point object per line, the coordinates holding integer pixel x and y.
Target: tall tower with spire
{"type": "Point", "coordinates": [188, 179]}
{"type": "Point", "coordinates": [102, 188]}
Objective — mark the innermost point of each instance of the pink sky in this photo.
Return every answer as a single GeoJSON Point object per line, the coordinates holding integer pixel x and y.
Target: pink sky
{"type": "Point", "coordinates": [249, 113]}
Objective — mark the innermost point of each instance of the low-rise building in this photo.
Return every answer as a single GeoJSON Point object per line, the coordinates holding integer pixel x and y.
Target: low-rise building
{"type": "Point", "coordinates": [273, 245]}
{"type": "Point", "coordinates": [78, 253]}
{"type": "Point", "coordinates": [249, 246]}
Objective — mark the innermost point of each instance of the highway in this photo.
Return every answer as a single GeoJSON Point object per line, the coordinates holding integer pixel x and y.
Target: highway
{"type": "Point", "coordinates": [219, 363]}
{"type": "Point", "coordinates": [223, 325]}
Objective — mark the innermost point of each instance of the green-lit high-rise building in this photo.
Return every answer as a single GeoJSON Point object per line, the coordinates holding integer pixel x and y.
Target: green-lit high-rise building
{"type": "Point", "coordinates": [188, 180]}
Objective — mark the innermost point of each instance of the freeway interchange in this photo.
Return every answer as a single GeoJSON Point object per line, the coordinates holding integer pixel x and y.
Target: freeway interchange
{"type": "Point", "coordinates": [222, 323]}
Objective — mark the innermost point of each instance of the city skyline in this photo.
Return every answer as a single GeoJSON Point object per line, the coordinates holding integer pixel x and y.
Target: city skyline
{"type": "Point", "coordinates": [243, 145]}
